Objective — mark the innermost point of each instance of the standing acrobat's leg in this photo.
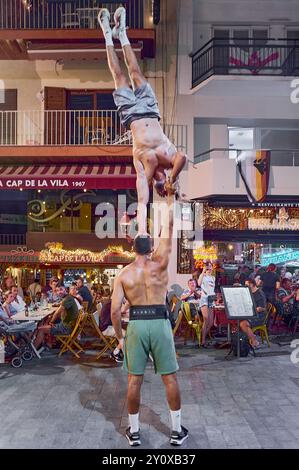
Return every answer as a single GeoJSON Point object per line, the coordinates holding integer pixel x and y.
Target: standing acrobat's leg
{"type": "Point", "coordinates": [119, 77]}
{"type": "Point", "coordinates": [119, 31]}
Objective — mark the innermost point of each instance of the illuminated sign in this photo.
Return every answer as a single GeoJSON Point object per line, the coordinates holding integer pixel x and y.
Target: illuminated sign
{"type": "Point", "coordinates": [275, 224]}
{"type": "Point", "coordinates": [55, 253]}
{"type": "Point", "coordinates": [279, 257]}
{"type": "Point", "coordinates": [282, 221]}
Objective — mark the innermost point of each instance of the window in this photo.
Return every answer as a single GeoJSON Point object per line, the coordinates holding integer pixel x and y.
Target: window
{"type": "Point", "coordinates": [240, 138]}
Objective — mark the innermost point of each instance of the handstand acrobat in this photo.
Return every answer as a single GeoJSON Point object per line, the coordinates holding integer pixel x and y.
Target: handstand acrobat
{"type": "Point", "coordinates": [153, 153]}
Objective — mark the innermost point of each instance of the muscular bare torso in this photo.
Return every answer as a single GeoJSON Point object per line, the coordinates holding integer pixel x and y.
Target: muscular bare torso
{"type": "Point", "coordinates": [144, 282]}
{"type": "Point", "coordinates": [151, 146]}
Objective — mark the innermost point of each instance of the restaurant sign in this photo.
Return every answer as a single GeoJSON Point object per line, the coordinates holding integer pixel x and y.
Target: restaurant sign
{"type": "Point", "coordinates": [282, 221]}
{"type": "Point", "coordinates": [19, 256]}
{"type": "Point", "coordinates": [44, 183]}
{"type": "Point", "coordinates": [56, 254]}
{"type": "Point", "coordinates": [279, 257]}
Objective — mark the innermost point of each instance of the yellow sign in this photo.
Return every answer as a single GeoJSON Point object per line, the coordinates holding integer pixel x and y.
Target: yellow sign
{"type": "Point", "coordinates": [55, 253]}
{"type": "Point", "coordinates": [208, 253]}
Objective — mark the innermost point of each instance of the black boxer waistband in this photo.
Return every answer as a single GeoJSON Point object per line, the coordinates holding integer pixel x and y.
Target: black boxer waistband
{"type": "Point", "coordinates": [148, 312]}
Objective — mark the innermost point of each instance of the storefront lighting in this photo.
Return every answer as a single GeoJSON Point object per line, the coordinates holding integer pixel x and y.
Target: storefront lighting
{"type": "Point", "coordinates": [230, 247]}
{"type": "Point", "coordinates": [21, 189]}
{"type": "Point", "coordinates": [125, 223]}
{"type": "Point", "coordinates": [38, 190]}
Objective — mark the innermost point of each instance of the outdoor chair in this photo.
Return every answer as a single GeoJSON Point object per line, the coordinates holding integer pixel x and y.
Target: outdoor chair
{"type": "Point", "coordinates": [107, 343]}
{"type": "Point", "coordinates": [177, 322]}
{"type": "Point", "coordinates": [85, 305]}
{"type": "Point", "coordinates": [70, 342]}
{"type": "Point", "coordinates": [193, 325]}
{"type": "Point", "coordinates": [69, 17]}
{"type": "Point", "coordinates": [263, 329]}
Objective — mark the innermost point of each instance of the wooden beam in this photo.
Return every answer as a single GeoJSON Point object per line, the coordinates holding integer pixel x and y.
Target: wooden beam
{"type": "Point", "coordinates": [71, 34]}
{"type": "Point", "coordinates": [82, 36]}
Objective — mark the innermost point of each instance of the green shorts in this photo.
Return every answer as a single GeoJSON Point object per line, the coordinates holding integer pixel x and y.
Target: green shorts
{"type": "Point", "coordinates": [144, 337]}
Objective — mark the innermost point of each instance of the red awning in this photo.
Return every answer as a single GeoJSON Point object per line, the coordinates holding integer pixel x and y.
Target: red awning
{"type": "Point", "coordinates": [68, 177]}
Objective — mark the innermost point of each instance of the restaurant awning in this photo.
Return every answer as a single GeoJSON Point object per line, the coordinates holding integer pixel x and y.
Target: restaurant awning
{"type": "Point", "coordinates": [101, 176]}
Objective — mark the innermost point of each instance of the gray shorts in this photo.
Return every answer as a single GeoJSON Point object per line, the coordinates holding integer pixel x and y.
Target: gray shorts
{"type": "Point", "coordinates": [60, 329]}
{"type": "Point", "coordinates": [138, 104]}
{"type": "Point", "coordinates": [257, 320]}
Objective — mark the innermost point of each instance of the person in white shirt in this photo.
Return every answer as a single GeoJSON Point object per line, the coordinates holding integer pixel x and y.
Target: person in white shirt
{"type": "Point", "coordinates": [34, 289]}
{"type": "Point", "coordinates": [206, 281]}
{"type": "Point", "coordinates": [18, 303]}
{"type": "Point", "coordinates": [9, 282]}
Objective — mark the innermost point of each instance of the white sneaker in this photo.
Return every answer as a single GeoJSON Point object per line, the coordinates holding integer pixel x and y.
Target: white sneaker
{"type": "Point", "coordinates": [120, 22]}
{"type": "Point", "coordinates": [104, 19]}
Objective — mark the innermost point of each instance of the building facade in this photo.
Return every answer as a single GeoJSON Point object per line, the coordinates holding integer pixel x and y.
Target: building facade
{"type": "Point", "coordinates": [63, 150]}
{"type": "Point", "coordinates": [238, 92]}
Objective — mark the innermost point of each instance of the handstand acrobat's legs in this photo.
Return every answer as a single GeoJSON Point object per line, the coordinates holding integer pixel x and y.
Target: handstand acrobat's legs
{"type": "Point", "coordinates": [119, 31]}
{"type": "Point", "coordinates": [119, 77]}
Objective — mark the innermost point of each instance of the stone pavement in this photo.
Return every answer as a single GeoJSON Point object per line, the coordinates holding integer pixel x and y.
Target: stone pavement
{"type": "Point", "coordinates": [65, 403]}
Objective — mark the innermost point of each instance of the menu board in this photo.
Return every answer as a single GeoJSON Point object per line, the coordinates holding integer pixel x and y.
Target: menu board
{"type": "Point", "coordinates": [239, 303]}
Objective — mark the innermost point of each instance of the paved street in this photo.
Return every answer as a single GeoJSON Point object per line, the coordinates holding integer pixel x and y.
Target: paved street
{"type": "Point", "coordinates": [63, 403]}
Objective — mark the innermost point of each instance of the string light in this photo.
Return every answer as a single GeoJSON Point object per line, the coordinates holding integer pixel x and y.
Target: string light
{"type": "Point", "coordinates": [27, 4]}
{"type": "Point", "coordinates": [56, 253]}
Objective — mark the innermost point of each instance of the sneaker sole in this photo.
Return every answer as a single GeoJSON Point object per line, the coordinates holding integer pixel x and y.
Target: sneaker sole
{"type": "Point", "coordinates": [174, 442]}
{"type": "Point", "coordinates": [133, 443]}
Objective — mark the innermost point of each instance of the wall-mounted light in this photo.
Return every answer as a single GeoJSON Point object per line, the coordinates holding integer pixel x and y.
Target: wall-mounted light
{"type": "Point", "coordinates": [156, 11]}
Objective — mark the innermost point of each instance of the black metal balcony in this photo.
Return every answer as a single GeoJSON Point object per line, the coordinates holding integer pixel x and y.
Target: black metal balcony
{"type": "Point", "coordinates": [245, 57]}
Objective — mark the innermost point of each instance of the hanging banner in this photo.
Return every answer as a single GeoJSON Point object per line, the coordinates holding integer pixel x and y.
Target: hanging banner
{"type": "Point", "coordinates": [254, 169]}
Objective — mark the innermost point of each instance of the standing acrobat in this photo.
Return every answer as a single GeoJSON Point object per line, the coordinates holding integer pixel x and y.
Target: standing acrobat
{"type": "Point", "coordinates": [144, 284]}
{"type": "Point", "coordinates": [153, 153]}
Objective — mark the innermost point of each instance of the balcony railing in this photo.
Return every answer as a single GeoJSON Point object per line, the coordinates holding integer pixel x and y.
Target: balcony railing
{"type": "Point", "coordinates": [73, 128]}
{"type": "Point", "coordinates": [13, 239]}
{"type": "Point", "coordinates": [245, 57]}
{"type": "Point", "coordinates": [279, 157]}
{"type": "Point", "coordinates": [65, 14]}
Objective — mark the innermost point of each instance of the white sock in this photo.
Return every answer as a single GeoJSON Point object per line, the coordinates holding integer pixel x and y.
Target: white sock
{"type": "Point", "coordinates": [116, 351]}
{"type": "Point", "coordinates": [108, 37]}
{"type": "Point", "coordinates": [123, 38]}
{"type": "Point", "coordinates": [134, 422]}
{"type": "Point", "coordinates": [176, 420]}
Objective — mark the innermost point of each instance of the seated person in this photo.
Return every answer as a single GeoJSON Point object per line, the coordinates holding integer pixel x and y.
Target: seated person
{"type": "Point", "coordinates": [18, 303]}
{"type": "Point", "coordinates": [288, 298]}
{"type": "Point", "coordinates": [219, 299]}
{"type": "Point", "coordinates": [192, 295]}
{"type": "Point", "coordinates": [84, 292]}
{"type": "Point", "coordinates": [4, 317]}
{"type": "Point", "coordinates": [7, 305]}
{"type": "Point", "coordinates": [259, 317]}
{"type": "Point", "coordinates": [34, 289]}
{"type": "Point", "coordinates": [64, 318]}
{"type": "Point", "coordinates": [54, 294]}
{"type": "Point", "coordinates": [105, 325]}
